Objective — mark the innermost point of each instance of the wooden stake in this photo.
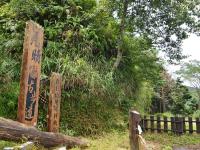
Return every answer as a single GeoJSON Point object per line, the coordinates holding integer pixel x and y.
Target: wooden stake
{"type": "Point", "coordinates": [30, 74]}
{"type": "Point", "coordinates": [54, 103]}
{"type": "Point", "coordinates": [134, 120]}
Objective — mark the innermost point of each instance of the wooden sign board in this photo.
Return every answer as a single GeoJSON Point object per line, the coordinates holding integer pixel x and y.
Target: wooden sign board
{"type": "Point", "coordinates": [54, 103]}
{"type": "Point", "coordinates": [30, 74]}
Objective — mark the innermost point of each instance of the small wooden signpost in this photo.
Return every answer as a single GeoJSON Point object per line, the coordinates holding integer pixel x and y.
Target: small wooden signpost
{"type": "Point", "coordinates": [30, 74]}
{"type": "Point", "coordinates": [54, 102]}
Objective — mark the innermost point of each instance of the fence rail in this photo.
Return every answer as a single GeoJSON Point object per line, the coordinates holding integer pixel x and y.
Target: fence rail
{"type": "Point", "coordinates": [177, 125]}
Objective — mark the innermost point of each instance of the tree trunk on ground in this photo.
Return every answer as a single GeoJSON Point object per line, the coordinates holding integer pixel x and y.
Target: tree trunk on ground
{"type": "Point", "coordinates": [15, 131]}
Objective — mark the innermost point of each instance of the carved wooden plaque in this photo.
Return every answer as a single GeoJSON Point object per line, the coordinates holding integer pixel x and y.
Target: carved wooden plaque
{"type": "Point", "coordinates": [30, 74]}
{"type": "Point", "coordinates": [54, 103]}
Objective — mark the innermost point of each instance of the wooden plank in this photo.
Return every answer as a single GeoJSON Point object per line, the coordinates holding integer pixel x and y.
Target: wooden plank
{"type": "Point", "coordinates": [142, 124]}
{"type": "Point", "coordinates": [198, 125]}
{"type": "Point", "coordinates": [176, 124]}
{"type": "Point", "coordinates": [158, 124]}
{"type": "Point", "coordinates": [165, 124]}
{"type": "Point", "coordinates": [152, 123]}
{"type": "Point", "coordinates": [134, 120]}
{"type": "Point", "coordinates": [184, 126]}
{"type": "Point", "coordinates": [179, 125]}
{"type": "Point", "coordinates": [145, 123]}
{"type": "Point", "coordinates": [173, 125]}
{"type": "Point", "coordinates": [54, 103]}
{"type": "Point", "coordinates": [190, 124]}
{"type": "Point", "coordinates": [30, 74]}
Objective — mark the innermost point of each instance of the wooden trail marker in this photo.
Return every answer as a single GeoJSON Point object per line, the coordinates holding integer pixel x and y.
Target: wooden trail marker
{"type": "Point", "coordinates": [54, 103]}
{"type": "Point", "coordinates": [134, 120]}
{"type": "Point", "coordinates": [30, 74]}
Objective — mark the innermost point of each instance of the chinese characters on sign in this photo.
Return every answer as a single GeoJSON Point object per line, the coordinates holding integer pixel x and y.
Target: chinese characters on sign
{"type": "Point", "coordinates": [54, 103]}
{"type": "Point", "coordinates": [30, 74]}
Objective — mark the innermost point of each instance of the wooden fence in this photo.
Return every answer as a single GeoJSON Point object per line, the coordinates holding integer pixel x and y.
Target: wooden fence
{"type": "Point", "coordinates": [177, 125]}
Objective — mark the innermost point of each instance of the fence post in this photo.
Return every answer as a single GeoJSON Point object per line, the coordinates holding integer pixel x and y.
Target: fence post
{"type": "Point", "coordinates": [198, 125]}
{"type": "Point", "coordinates": [179, 126]}
{"type": "Point", "coordinates": [165, 124]}
{"type": "Point", "coordinates": [152, 123]}
{"type": "Point", "coordinates": [134, 120]}
{"type": "Point", "coordinates": [158, 124]}
{"type": "Point", "coordinates": [190, 124]}
{"type": "Point", "coordinates": [184, 126]}
{"type": "Point", "coordinates": [142, 123]}
{"type": "Point", "coordinates": [176, 125]}
{"type": "Point", "coordinates": [145, 123]}
{"type": "Point", "coordinates": [172, 124]}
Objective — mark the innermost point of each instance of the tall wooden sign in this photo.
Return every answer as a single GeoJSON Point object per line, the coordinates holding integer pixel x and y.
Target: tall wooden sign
{"type": "Point", "coordinates": [54, 103]}
{"type": "Point", "coordinates": [30, 74]}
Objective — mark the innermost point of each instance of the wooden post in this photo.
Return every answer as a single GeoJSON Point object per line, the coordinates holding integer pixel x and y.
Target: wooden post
{"type": "Point", "coordinates": [198, 125]}
{"type": "Point", "coordinates": [134, 120]}
{"type": "Point", "coordinates": [54, 103]}
{"type": "Point", "coordinates": [152, 123]}
{"type": "Point", "coordinates": [30, 74]}
{"type": "Point", "coordinates": [190, 125]}
{"type": "Point", "coordinates": [184, 126]}
{"type": "Point", "coordinates": [142, 124]}
{"type": "Point", "coordinates": [158, 124]}
{"type": "Point", "coordinates": [179, 125]}
{"type": "Point", "coordinates": [165, 124]}
{"type": "Point", "coordinates": [145, 123]}
{"type": "Point", "coordinates": [173, 124]}
{"type": "Point", "coordinates": [176, 124]}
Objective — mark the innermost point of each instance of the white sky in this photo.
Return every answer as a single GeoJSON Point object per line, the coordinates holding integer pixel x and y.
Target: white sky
{"type": "Point", "coordinates": [191, 47]}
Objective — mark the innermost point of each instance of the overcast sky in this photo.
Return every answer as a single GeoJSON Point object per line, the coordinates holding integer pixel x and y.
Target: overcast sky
{"type": "Point", "coordinates": [191, 47]}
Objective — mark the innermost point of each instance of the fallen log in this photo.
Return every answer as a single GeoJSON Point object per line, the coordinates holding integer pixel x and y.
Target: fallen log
{"type": "Point", "coordinates": [14, 131]}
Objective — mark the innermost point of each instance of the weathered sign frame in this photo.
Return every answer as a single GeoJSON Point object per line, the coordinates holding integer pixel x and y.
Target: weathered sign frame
{"type": "Point", "coordinates": [30, 74]}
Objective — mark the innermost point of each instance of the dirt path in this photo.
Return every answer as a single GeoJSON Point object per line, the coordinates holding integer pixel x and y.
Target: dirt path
{"type": "Point", "coordinates": [157, 146]}
{"type": "Point", "coordinates": [190, 147]}
{"type": "Point", "coordinates": [153, 146]}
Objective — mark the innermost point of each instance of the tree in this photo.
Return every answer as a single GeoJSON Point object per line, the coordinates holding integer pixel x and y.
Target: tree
{"type": "Point", "coordinates": [172, 95]}
{"type": "Point", "coordinates": [191, 72]}
{"type": "Point", "coordinates": [163, 23]}
{"type": "Point", "coordinates": [163, 89]}
{"type": "Point", "coordinates": [182, 102]}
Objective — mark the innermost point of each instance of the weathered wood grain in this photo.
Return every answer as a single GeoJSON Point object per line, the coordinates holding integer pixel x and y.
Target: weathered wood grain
{"type": "Point", "coordinates": [54, 103]}
{"type": "Point", "coordinates": [30, 74]}
{"type": "Point", "coordinates": [15, 131]}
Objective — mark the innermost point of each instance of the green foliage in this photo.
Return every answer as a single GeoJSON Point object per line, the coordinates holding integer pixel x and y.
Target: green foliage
{"type": "Point", "coordinates": [4, 144]}
{"type": "Point", "coordinates": [88, 116]}
{"type": "Point", "coordinates": [182, 102]}
{"type": "Point", "coordinates": [164, 23]}
{"type": "Point", "coordinates": [196, 114]}
{"type": "Point", "coordinates": [191, 72]}
{"type": "Point", "coordinates": [81, 43]}
{"type": "Point", "coordinates": [8, 100]}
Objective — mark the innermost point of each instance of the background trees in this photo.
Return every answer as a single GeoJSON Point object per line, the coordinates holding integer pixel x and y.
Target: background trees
{"type": "Point", "coordinates": [191, 72]}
